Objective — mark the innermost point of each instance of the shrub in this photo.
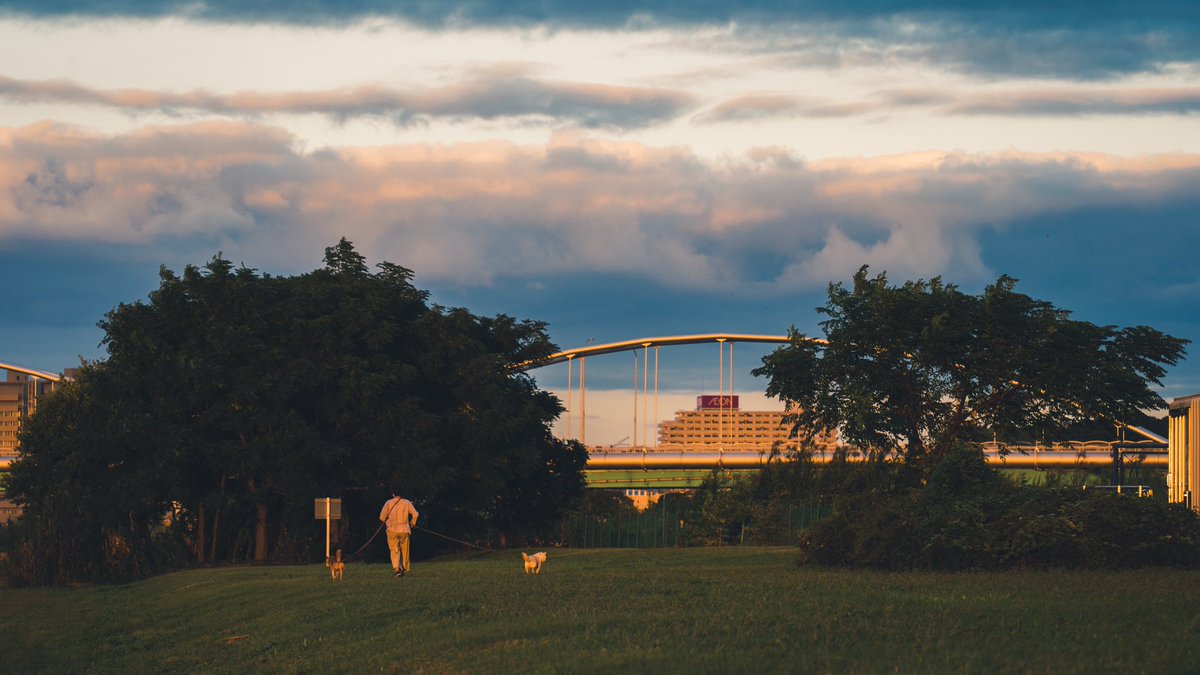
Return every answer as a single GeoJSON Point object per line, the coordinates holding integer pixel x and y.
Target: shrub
{"type": "Point", "coordinates": [967, 517]}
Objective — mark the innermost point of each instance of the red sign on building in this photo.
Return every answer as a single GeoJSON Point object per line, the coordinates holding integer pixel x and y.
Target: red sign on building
{"type": "Point", "coordinates": [714, 402]}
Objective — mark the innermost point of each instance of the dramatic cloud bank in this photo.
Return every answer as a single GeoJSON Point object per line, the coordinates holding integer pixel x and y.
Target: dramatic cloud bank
{"type": "Point", "coordinates": [473, 213]}
{"type": "Point", "coordinates": [614, 168]}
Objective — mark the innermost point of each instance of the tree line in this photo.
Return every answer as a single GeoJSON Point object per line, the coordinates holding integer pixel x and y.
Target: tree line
{"type": "Point", "coordinates": [230, 399]}
{"type": "Point", "coordinates": [912, 377]}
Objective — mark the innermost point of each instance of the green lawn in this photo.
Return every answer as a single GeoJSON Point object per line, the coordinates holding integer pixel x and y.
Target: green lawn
{"type": "Point", "coordinates": [668, 610]}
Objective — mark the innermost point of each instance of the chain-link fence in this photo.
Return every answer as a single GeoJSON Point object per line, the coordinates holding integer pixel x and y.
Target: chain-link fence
{"type": "Point", "coordinates": [666, 527]}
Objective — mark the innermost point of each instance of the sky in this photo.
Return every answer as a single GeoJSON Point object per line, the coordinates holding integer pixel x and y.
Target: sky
{"type": "Point", "coordinates": [618, 170]}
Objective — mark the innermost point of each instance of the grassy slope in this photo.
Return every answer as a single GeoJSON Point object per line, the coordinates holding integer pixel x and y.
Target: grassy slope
{"type": "Point", "coordinates": [693, 610]}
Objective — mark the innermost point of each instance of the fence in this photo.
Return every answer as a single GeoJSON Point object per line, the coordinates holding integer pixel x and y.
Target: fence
{"type": "Point", "coordinates": [664, 527]}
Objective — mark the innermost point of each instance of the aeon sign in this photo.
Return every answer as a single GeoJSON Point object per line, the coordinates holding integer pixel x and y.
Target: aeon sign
{"type": "Point", "coordinates": [713, 402]}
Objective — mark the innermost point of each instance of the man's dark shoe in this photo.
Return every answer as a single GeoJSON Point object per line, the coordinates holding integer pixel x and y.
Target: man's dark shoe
{"type": "Point", "coordinates": [399, 573]}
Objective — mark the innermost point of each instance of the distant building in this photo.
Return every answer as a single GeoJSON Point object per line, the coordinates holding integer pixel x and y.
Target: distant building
{"type": "Point", "coordinates": [719, 424]}
{"type": "Point", "coordinates": [1183, 452]}
{"type": "Point", "coordinates": [642, 498]}
{"type": "Point", "coordinates": [19, 395]}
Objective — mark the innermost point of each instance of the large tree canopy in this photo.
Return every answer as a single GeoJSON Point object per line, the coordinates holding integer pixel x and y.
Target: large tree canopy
{"type": "Point", "coordinates": [917, 368]}
{"type": "Point", "coordinates": [231, 399]}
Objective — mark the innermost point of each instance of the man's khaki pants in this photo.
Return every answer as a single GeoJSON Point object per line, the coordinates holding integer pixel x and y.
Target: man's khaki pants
{"type": "Point", "coordinates": [398, 545]}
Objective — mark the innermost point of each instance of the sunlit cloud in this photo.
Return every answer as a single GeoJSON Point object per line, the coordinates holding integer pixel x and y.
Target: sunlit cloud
{"type": "Point", "coordinates": [473, 213]}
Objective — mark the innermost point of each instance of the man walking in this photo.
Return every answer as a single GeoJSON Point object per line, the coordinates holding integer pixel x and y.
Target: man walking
{"type": "Point", "coordinates": [399, 514]}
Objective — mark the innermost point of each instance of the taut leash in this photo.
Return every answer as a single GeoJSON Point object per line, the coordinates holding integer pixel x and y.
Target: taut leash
{"type": "Point", "coordinates": [415, 527]}
{"type": "Point", "coordinates": [360, 550]}
{"type": "Point", "coordinates": [457, 541]}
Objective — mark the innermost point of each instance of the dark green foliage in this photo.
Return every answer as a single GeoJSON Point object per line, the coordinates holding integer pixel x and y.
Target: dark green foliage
{"type": "Point", "coordinates": [967, 517]}
{"type": "Point", "coordinates": [919, 368]}
{"type": "Point", "coordinates": [765, 507]}
{"type": "Point", "coordinates": [230, 400]}
{"type": "Point", "coordinates": [597, 508]}
{"type": "Point", "coordinates": [91, 510]}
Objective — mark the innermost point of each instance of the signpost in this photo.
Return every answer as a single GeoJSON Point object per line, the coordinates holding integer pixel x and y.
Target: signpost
{"type": "Point", "coordinates": [330, 509]}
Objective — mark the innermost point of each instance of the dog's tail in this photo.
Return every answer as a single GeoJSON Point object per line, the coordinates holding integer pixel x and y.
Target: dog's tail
{"type": "Point", "coordinates": [339, 555]}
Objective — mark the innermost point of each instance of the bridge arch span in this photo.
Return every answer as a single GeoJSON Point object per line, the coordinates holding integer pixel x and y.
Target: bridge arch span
{"type": "Point", "coordinates": [642, 343]}
{"type": "Point", "coordinates": [32, 372]}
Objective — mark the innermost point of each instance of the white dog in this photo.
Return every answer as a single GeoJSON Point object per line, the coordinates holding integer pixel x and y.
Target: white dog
{"type": "Point", "coordinates": [533, 563]}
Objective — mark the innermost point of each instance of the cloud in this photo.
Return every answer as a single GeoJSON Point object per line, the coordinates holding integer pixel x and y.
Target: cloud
{"type": "Point", "coordinates": [1088, 39]}
{"type": "Point", "coordinates": [1061, 101]}
{"type": "Point", "coordinates": [761, 106]}
{"type": "Point", "coordinates": [1079, 101]}
{"type": "Point", "coordinates": [492, 96]}
{"type": "Point", "coordinates": [1065, 41]}
{"type": "Point", "coordinates": [473, 213]}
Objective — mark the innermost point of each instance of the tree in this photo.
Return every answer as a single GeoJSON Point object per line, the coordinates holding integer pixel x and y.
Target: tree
{"type": "Point", "coordinates": [918, 368]}
{"type": "Point", "coordinates": [231, 399]}
{"type": "Point", "coordinates": [93, 489]}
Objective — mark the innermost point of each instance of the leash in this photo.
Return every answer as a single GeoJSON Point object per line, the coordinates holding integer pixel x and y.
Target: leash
{"type": "Point", "coordinates": [364, 546]}
{"type": "Point", "coordinates": [415, 527]}
{"type": "Point", "coordinates": [457, 541]}
{"type": "Point", "coordinates": [381, 526]}
{"type": "Point", "coordinates": [418, 527]}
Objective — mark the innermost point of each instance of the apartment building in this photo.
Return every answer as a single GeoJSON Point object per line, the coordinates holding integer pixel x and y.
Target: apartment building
{"type": "Point", "coordinates": [19, 395]}
{"type": "Point", "coordinates": [719, 424]}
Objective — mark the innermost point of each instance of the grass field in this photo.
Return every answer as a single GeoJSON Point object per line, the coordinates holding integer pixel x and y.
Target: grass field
{"type": "Point", "coordinates": [726, 610]}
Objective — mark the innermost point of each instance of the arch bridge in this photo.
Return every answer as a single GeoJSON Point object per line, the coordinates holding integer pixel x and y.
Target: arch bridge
{"type": "Point", "coordinates": [1150, 449]}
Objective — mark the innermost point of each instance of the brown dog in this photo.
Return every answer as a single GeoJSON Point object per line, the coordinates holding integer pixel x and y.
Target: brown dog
{"type": "Point", "coordinates": [337, 568]}
{"type": "Point", "coordinates": [533, 563]}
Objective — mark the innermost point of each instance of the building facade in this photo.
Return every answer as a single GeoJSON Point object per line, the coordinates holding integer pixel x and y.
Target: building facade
{"type": "Point", "coordinates": [1183, 452]}
{"type": "Point", "coordinates": [19, 396]}
{"type": "Point", "coordinates": [719, 424]}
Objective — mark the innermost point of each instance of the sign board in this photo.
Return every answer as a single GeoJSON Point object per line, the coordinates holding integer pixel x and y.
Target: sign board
{"type": "Point", "coordinates": [335, 508]}
{"type": "Point", "coordinates": [715, 402]}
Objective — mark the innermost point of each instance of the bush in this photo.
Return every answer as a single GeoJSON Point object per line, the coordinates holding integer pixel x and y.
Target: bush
{"type": "Point", "coordinates": [967, 517]}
